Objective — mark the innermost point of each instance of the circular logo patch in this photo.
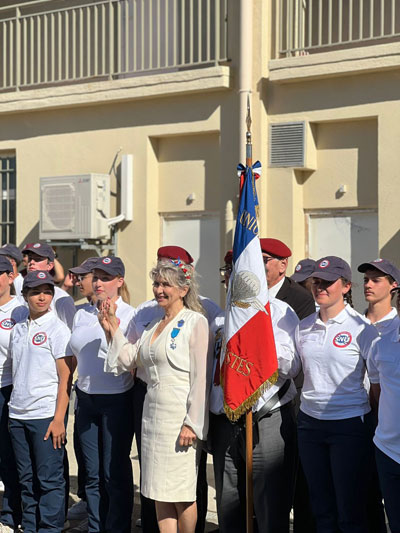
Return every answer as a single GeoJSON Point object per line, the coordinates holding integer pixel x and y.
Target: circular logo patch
{"type": "Point", "coordinates": [298, 268]}
{"type": "Point", "coordinates": [37, 245]}
{"type": "Point", "coordinates": [324, 263]}
{"type": "Point", "coordinates": [41, 275]}
{"type": "Point", "coordinates": [379, 260]}
{"type": "Point", "coordinates": [342, 339]}
{"type": "Point", "coordinates": [7, 323]}
{"type": "Point", "coordinates": [39, 338]}
{"type": "Point", "coordinates": [106, 261]}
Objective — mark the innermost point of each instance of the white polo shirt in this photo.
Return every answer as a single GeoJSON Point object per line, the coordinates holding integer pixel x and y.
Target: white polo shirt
{"type": "Point", "coordinates": [10, 313]}
{"type": "Point", "coordinates": [89, 344]}
{"type": "Point", "coordinates": [333, 356]}
{"type": "Point", "coordinates": [18, 282]}
{"type": "Point", "coordinates": [284, 325]}
{"type": "Point", "coordinates": [35, 346]}
{"type": "Point", "coordinates": [150, 310]}
{"type": "Point", "coordinates": [384, 368]}
{"type": "Point", "coordinates": [388, 323]}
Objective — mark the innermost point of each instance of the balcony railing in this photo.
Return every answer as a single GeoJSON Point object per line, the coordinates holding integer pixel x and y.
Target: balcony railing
{"type": "Point", "coordinates": [47, 42]}
{"type": "Point", "coordinates": [311, 26]}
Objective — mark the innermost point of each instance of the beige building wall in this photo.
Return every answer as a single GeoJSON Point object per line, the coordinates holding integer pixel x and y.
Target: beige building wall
{"type": "Point", "coordinates": [184, 128]}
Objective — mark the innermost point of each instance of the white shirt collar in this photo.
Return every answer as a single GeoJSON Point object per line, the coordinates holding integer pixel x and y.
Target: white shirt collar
{"type": "Point", "coordinates": [42, 320]}
{"type": "Point", "coordinates": [273, 291]}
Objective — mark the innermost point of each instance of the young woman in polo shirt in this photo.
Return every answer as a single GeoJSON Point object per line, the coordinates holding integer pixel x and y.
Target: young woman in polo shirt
{"type": "Point", "coordinates": [104, 419]}
{"type": "Point", "coordinates": [42, 375]}
{"type": "Point", "coordinates": [334, 422]}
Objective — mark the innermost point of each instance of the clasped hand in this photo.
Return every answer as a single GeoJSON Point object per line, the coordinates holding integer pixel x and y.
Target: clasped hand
{"type": "Point", "coordinates": [107, 317]}
{"type": "Point", "coordinates": [187, 436]}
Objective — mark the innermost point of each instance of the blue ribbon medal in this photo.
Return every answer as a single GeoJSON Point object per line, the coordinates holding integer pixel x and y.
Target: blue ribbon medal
{"type": "Point", "coordinates": [175, 333]}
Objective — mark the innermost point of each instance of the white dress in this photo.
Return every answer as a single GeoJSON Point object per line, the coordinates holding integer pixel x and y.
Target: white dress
{"type": "Point", "coordinates": [177, 370]}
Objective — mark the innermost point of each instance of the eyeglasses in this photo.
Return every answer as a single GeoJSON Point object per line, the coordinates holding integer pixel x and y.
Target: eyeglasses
{"type": "Point", "coordinates": [267, 259]}
{"type": "Point", "coordinates": [225, 270]}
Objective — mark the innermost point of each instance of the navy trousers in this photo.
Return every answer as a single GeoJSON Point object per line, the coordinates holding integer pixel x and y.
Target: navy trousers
{"type": "Point", "coordinates": [389, 475]}
{"type": "Point", "coordinates": [10, 514]}
{"type": "Point", "coordinates": [105, 430]}
{"type": "Point", "coordinates": [336, 457]}
{"type": "Point", "coordinates": [41, 476]}
{"type": "Point", "coordinates": [274, 463]}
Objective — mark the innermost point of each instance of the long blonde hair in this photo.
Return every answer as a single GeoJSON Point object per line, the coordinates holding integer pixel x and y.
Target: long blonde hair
{"type": "Point", "coordinates": [123, 291]}
{"type": "Point", "coordinates": [176, 277]}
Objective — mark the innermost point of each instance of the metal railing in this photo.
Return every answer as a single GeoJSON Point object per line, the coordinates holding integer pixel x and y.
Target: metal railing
{"type": "Point", "coordinates": [46, 42]}
{"type": "Point", "coordinates": [311, 26]}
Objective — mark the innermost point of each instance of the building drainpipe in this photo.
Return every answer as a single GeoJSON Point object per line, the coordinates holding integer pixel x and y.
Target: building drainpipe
{"type": "Point", "coordinates": [244, 90]}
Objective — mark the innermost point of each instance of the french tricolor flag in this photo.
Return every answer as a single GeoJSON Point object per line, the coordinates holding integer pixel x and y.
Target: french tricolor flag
{"type": "Point", "coordinates": [248, 360]}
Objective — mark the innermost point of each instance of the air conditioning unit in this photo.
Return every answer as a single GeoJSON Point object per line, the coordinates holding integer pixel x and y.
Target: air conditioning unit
{"type": "Point", "coordinates": [74, 207]}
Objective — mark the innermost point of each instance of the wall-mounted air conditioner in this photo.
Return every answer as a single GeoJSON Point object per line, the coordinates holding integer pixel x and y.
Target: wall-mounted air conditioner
{"type": "Point", "coordinates": [292, 144]}
{"type": "Point", "coordinates": [75, 207]}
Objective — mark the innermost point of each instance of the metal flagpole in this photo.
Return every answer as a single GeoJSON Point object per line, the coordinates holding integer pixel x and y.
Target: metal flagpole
{"type": "Point", "coordinates": [249, 414]}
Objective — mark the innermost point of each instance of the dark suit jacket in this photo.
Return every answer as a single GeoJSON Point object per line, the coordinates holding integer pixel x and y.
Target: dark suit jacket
{"type": "Point", "coordinates": [303, 304]}
{"type": "Point", "coordinates": [299, 298]}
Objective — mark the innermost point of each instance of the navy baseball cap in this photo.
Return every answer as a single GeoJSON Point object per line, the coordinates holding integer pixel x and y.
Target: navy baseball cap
{"type": "Point", "coordinates": [5, 265]}
{"type": "Point", "coordinates": [12, 251]}
{"type": "Point", "coordinates": [40, 248]}
{"type": "Point", "coordinates": [110, 264]}
{"type": "Point", "coordinates": [36, 278]}
{"type": "Point", "coordinates": [331, 268]}
{"type": "Point", "coordinates": [383, 265]}
{"type": "Point", "coordinates": [303, 270]}
{"type": "Point", "coordinates": [84, 268]}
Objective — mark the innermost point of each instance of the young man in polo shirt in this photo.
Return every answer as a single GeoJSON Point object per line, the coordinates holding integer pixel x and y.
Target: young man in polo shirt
{"type": "Point", "coordinates": [41, 375]}
{"type": "Point", "coordinates": [41, 257]}
{"type": "Point", "coordinates": [380, 277]}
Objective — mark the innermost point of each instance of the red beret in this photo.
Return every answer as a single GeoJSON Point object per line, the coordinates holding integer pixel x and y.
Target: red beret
{"type": "Point", "coordinates": [275, 247]}
{"type": "Point", "coordinates": [174, 252]}
{"type": "Point", "coordinates": [228, 257]}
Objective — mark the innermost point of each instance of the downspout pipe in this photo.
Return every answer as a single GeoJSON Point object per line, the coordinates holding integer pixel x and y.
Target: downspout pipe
{"type": "Point", "coordinates": [245, 70]}
{"type": "Point", "coordinates": [244, 89]}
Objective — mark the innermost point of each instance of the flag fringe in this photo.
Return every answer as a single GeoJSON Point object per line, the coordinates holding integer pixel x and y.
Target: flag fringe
{"type": "Point", "coordinates": [234, 414]}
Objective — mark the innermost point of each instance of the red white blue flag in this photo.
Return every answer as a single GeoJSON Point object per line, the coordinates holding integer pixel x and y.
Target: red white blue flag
{"type": "Point", "coordinates": [248, 361]}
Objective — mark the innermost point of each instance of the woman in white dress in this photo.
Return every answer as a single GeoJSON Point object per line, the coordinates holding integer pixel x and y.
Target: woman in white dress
{"type": "Point", "coordinates": [174, 353]}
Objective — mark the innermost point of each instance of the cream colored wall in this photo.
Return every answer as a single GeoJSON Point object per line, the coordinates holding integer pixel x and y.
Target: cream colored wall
{"type": "Point", "coordinates": [189, 165]}
{"type": "Point", "coordinates": [355, 125]}
{"type": "Point", "coordinates": [346, 155]}
{"type": "Point", "coordinates": [175, 143]}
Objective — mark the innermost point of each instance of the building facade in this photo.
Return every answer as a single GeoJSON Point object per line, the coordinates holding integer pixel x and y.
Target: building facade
{"type": "Point", "coordinates": [84, 83]}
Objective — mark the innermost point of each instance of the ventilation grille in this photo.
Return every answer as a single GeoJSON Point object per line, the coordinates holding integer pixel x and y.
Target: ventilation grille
{"type": "Point", "coordinates": [287, 145]}
{"type": "Point", "coordinates": [58, 208]}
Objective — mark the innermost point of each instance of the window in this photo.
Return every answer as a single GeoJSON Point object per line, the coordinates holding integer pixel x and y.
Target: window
{"type": "Point", "coordinates": [8, 200]}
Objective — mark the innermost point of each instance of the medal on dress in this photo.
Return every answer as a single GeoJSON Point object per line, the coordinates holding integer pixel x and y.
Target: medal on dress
{"type": "Point", "coordinates": [175, 333]}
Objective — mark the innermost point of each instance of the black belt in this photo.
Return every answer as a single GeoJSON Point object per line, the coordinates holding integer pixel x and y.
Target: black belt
{"type": "Point", "coordinates": [267, 408]}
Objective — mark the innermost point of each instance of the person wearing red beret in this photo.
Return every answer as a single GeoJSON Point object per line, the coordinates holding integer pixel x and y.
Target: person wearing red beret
{"type": "Point", "coordinates": [144, 314]}
{"type": "Point", "coordinates": [275, 254]}
{"type": "Point", "coordinates": [274, 449]}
